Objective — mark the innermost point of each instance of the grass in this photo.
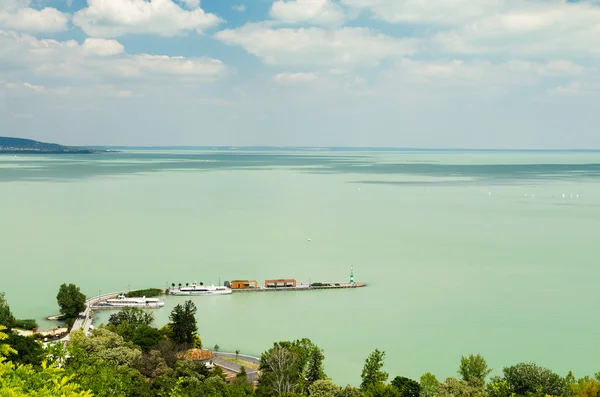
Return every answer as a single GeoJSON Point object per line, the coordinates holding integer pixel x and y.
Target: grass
{"type": "Point", "coordinates": [241, 362]}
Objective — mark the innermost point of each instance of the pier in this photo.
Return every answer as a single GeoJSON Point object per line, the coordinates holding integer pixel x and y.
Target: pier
{"type": "Point", "coordinates": [301, 287]}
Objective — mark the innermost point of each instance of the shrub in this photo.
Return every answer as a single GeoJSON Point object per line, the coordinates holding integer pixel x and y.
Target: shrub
{"type": "Point", "coordinates": [148, 293]}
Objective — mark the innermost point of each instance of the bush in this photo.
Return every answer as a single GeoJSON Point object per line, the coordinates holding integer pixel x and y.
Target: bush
{"type": "Point", "coordinates": [318, 285]}
{"type": "Point", "coordinates": [148, 293]}
{"type": "Point", "coordinates": [27, 324]}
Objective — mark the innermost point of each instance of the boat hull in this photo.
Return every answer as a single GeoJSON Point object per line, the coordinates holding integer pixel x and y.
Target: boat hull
{"type": "Point", "coordinates": [199, 293]}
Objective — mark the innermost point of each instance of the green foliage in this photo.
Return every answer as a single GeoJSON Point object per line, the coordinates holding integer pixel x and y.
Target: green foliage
{"type": "Point", "coordinates": [498, 387]}
{"type": "Point", "coordinates": [5, 348]}
{"type": "Point", "coordinates": [105, 379]}
{"type": "Point", "coordinates": [381, 390]}
{"type": "Point", "coordinates": [584, 387]}
{"type": "Point", "coordinates": [372, 373]}
{"type": "Point", "coordinates": [27, 324]}
{"type": "Point", "coordinates": [527, 379]}
{"type": "Point", "coordinates": [453, 387]}
{"type": "Point", "coordinates": [70, 301]}
{"type": "Point", "coordinates": [197, 344]}
{"type": "Point", "coordinates": [407, 387]}
{"type": "Point", "coordinates": [24, 380]}
{"type": "Point", "coordinates": [6, 317]}
{"type": "Point", "coordinates": [323, 388]}
{"type": "Point", "coordinates": [474, 370]}
{"type": "Point", "coordinates": [131, 315]}
{"type": "Point", "coordinates": [318, 284]}
{"type": "Point", "coordinates": [183, 323]}
{"type": "Point", "coordinates": [349, 391]}
{"type": "Point", "coordinates": [104, 345]}
{"type": "Point", "coordinates": [141, 335]}
{"type": "Point", "coordinates": [28, 350]}
{"type": "Point", "coordinates": [287, 365]}
{"type": "Point", "coordinates": [148, 293]}
{"type": "Point", "coordinates": [315, 371]}
{"type": "Point", "coordinates": [429, 385]}
{"type": "Point", "coordinates": [166, 331]}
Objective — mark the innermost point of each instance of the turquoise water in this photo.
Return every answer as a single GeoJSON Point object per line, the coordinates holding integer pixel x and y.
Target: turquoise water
{"type": "Point", "coordinates": [462, 251]}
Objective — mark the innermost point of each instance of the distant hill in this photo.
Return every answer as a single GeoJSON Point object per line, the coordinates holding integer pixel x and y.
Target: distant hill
{"type": "Point", "coordinates": [28, 146]}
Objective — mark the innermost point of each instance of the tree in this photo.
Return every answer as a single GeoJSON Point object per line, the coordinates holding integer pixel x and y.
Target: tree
{"type": "Point", "coordinates": [429, 385]}
{"type": "Point", "coordinates": [103, 345]}
{"type": "Point", "coordinates": [5, 348]}
{"type": "Point", "coordinates": [24, 380]}
{"type": "Point", "coordinates": [529, 378]}
{"type": "Point", "coordinates": [279, 371]}
{"type": "Point", "coordinates": [131, 315]}
{"type": "Point", "coordinates": [70, 300]}
{"type": "Point", "coordinates": [585, 387]}
{"type": "Point", "coordinates": [498, 387]}
{"type": "Point", "coordinates": [28, 350]}
{"type": "Point", "coordinates": [381, 390]}
{"type": "Point", "coordinates": [315, 371]}
{"type": "Point", "coordinates": [242, 374]}
{"type": "Point", "coordinates": [6, 317]}
{"type": "Point", "coordinates": [372, 373]}
{"type": "Point", "coordinates": [237, 353]}
{"type": "Point", "coordinates": [323, 388]}
{"type": "Point", "coordinates": [453, 387]}
{"type": "Point", "coordinates": [290, 367]}
{"type": "Point", "coordinates": [183, 323]}
{"type": "Point", "coordinates": [407, 387]}
{"type": "Point", "coordinates": [349, 391]}
{"type": "Point", "coordinates": [474, 370]}
{"type": "Point", "coordinates": [216, 348]}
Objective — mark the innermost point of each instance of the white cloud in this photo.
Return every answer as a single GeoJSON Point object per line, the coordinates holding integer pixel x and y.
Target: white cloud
{"type": "Point", "coordinates": [191, 4]}
{"type": "Point", "coordinates": [318, 12]}
{"type": "Point", "coordinates": [479, 73]}
{"type": "Point", "coordinates": [446, 12]}
{"type": "Point", "coordinates": [102, 47]}
{"type": "Point", "coordinates": [295, 78]}
{"type": "Point", "coordinates": [533, 28]}
{"type": "Point", "coordinates": [97, 59]}
{"type": "Point", "coordinates": [340, 48]}
{"type": "Point", "coordinates": [110, 18]}
{"type": "Point", "coordinates": [16, 15]}
{"type": "Point", "coordinates": [239, 8]}
{"type": "Point", "coordinates": [576, 88]}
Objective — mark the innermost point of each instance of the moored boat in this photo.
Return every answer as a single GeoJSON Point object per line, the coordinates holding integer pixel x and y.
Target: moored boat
{"type": "Point", "coordinates": [195, 289]}
{"type": "Point", "coordinates": [123, 301]}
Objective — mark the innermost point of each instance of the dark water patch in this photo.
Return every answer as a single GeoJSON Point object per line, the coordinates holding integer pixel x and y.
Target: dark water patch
{"type": "Point", "coordinates": [73, 167]}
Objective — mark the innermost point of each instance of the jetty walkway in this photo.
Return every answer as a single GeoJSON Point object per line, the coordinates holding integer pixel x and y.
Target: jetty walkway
{"type": "Point", "coordinates": [302, 287]}
{"type": "Point", "coordinates": [84, 320]}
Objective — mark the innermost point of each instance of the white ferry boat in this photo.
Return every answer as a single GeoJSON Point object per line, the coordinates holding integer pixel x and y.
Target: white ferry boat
{"type": "Point", "coordinates": [122, 301]}
{"type": "Point", "coordinates": [195, 289]}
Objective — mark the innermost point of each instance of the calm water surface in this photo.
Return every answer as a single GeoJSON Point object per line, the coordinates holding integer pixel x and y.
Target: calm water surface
{"type": "Point", "coordinates": [462, 252]}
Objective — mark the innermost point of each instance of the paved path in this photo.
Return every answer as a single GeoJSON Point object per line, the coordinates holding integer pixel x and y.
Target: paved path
{"type": "Point", "coordinates": [252, 374]}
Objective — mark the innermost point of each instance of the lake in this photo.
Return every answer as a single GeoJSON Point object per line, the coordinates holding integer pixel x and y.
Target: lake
{"type": "Point", "coordinates": [463, 252]}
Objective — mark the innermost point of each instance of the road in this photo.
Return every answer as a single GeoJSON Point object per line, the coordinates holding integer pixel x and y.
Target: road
{"type": "Point", "coordinates": [252, 374]}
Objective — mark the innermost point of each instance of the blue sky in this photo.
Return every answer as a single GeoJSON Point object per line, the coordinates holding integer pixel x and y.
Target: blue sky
{"type": "Point", "coordinates": [403, 73]}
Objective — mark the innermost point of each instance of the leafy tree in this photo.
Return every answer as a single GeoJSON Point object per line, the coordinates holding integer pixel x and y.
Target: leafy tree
{"type": "Point", "coordinates": [6, 317]}
{"type": "Point", "coordinates": [315, 371]}
{"type": "Point", "coordinates": [183, 323]}
{"type": "Point", "coordinates": [585, 387]}
{"type": "Point", "coordinates": [349, 391]}
{"type": "Point", "coordinates": [407, 387]}
{"type": "Point", "coordinates": [242, 374]}
{"type": "Point", "coordinates": [103, 345]}
{"type": "Point", "coordinates": [498, 387]}
{"type": "Point", "coordinates": [5, 348]}
{"type": "Point", "coordinates": [141, 335]}
{"type": "Point", "coordinates": [70, 300]}
{"type": "Point", "coordinates": [131, 315]}
{"type": "Point", "coordinates": [453, 387]}
{"type": "Point", "coordinates": [474, 370]}
{"type": "Point", "coordinates": [286, 366]}
{"type": "Point", "coordinates": [24, 380]}
{"type": "Point", "coordinates": [105, 379]}
{"type": "Point", "coordinates": [529, 378]}
{"type": "Point", "coordinates": [381, 390]}
{"type": "Point", "coordinates": [323, 388]}
{"type": "Point", "coordinates": [429, 385]}
{"type": "Point", "coordinates": [372, 373]}
{"type": "Point", "coordinates": [28, 350]}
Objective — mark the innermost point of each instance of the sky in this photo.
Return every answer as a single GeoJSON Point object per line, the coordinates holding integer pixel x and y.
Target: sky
{"type": "Point", "coordinates": [512, 74]}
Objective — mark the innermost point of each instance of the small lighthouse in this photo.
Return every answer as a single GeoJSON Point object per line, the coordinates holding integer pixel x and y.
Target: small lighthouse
{"type": "Point", "coordinates": [351, 274]}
